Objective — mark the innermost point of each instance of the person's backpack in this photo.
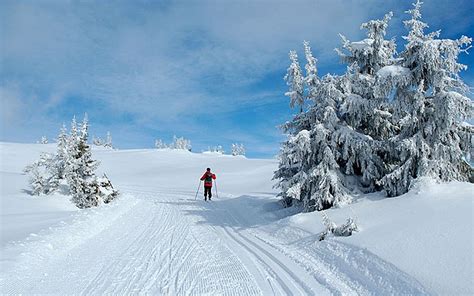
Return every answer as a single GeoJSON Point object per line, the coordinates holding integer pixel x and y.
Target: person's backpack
{"type": "Point", "coordinates": [208, 178]}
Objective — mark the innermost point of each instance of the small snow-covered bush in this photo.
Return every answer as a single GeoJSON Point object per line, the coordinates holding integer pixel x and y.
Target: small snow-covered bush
{"type": "Point", "coordinates": [105, 189]}
{"type": "Point", "coordinates": [345, 229]}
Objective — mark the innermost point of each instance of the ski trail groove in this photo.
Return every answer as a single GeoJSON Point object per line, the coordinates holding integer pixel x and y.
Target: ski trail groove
{"type": "Point", "coordinates": [167, 243]}
{"type": "Point", "coordinates": [282, 273]}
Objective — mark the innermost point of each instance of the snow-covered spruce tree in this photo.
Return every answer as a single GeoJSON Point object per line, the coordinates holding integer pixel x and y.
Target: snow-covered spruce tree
{"type": "Point", "coordinates": [327, 184]}
{"type": "Point", "coordinates": [47, 172]}
{"type": "Point", "coordinates": [80, 168]}
{"type": "Point", "coordinates": [105, 189]}
{"type": "Point", "coordinates": [61, 152]}
{"type": "Point", "coordinates": [181, 143]}
{"type": "Point", "coordinates": [295, 81]}
{"type": "Point", "coordinates": [308, 171]}
{"type": "Point", "coordinates": [218, 149]}
{"type": "Point", "coordinates": [367, 114]}
{"type": "Point", "coordinates": [311, 80]}
{"type": "Point", "coordinates": [159, 144]}
{"type": "Point", "coordinates": [44, 140]}
{"type": "Point", "coordinates": [108, 141]}
{"type": "Point", "coordinates": [238, 149]}
{"type": "Point", "coordinates": [97, 141]}
{"type": "Point", "coordinates": [433, 140]}
{"type": "Point", "coordinates": [43, 175]}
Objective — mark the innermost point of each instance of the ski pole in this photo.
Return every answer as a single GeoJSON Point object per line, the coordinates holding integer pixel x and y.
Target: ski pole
{"type": "Point", "coordinates": [217, 195]}
{"type": "Point", "coordinates": [199, 186]}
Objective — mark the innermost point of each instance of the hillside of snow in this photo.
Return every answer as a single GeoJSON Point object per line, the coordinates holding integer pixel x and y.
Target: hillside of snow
{"type": "Point", "coordinates": [157, 239]}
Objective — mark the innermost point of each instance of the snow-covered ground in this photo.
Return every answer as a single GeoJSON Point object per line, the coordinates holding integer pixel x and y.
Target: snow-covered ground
{"type": "Point", "coordinates": [157, 239]}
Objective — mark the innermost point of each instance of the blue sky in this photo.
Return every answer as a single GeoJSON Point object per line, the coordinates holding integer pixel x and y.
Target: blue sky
{"type": "Point", "coordinates": [211, 71]}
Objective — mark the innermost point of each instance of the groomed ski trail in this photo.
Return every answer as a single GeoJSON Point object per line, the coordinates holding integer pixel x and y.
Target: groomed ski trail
{"type": "Point", "coordinates": [167, 243]}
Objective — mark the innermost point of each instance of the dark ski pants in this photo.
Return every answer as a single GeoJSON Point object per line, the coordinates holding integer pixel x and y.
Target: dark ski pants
{"type": "Point", "coordinates": [207, 192]}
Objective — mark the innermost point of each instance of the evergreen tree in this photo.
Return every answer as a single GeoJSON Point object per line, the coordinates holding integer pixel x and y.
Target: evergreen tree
{"type": "Point", "coordinates": [181, 143]}
{"type": "Point", "coordinates": [433, 141]}
{"type": "Point", "coordinates": [43, 175]}
{"type": "Point", "coordinates": [97, 141]}
{"type": "Point", "coordinates": [384, 123]}
{"type": "Point", "coordinates": [108, 141]}
{"type": "Point", "coordinates": [311, 80]}
{"type": "Point", "coordinates": [43, 140]}
{"type": "Point", "coordinates": [308, 170]}
{"type": "Point", "coordinates": [105, 190]}
{"type": "Point", "coordinates": [366, 113]}
{"type": "Point", "coordinates": [73, 162]}
{"type": "Point", "coordinates": [238, 149]}
{"type": "Point", "coordinates": [160, 145]}
{"type": "Point", "coordinates": [295, 82]}
{"type": "Point", "coordinates": [61, 152]}
{"type": "Point", "coordinates": [80, 170]}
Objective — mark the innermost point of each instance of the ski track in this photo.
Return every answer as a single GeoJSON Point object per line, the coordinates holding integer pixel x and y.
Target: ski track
{"type": "Point", "coordinates": [166, 244]}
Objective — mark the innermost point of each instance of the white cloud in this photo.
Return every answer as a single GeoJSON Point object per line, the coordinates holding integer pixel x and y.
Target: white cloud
{"type": "Point", "coordinates": [161, 62]}
{"type": "Point", "coordinates": [156, 62]}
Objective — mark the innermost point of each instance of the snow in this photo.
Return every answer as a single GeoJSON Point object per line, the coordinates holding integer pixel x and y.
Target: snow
{"type": "Point", "coordinates": [426, 233]}
{"type": "Point", "coordinates": [157, 239]}
{"type": "Point", "coordinates": [394, 71]}
{"type": "Point", "coordinates": [363, 44]}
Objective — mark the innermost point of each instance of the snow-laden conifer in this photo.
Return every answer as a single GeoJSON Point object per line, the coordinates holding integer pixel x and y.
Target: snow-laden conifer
{"type": "Point", "coordinates": [433, 139]}
{"type": "Point", "coordinates": [311, 79]}
{"type": "Point", "coordinates": [238, 149]}
{"type": "Point", "coordinates": [295, 81]}
{"type": "Point", "coordinates": [308, 171]}
{"type": "Point", "coordinates": [181, 143]}
{"type": "Point", "coordinates": [387, 121]}
{"type": "Point", "coordinates": [43, 175]}
{"type": "Point", "coordinates": [159, 144]}
{"type": "Point", "coordinates": [97, 141]}
{"type": "Point", "coordinates": [108, 141]}
{"type": "Point", "coordinates": [81, 170]}
{"type": "Point", "coordinates": [43, 140]}
{"type": "Point", "coordinates": [61, 152]}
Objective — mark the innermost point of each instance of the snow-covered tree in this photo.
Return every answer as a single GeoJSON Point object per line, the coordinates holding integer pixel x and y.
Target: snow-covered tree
{"type": "Point", "coordinates": [373, 52]}
{"type": "Point", "coordinates": [97, 141]}
{"type": "Point", "coordinates": [43, 175]}
{"type": "Point", "coordinates": [386, 122]}
{"type": "Point", "coordinates": [311, 80]}
{"type": "Point", "coordinates": [238, 149]}
{"type": "Point", "coordinates": [105, 190]}
{"type": "Point", "coordinates": [433, 140]}
{"type": "Point", "coordinates": [308, 171]}
{"type": "Point", "coordinates": [80, 173]}
{"type": "Point", "coordinates": [72, 162]}
{"type": "Point", "coordinates": [345, 229]}
{"type": "Point", "coordinates": [43, 140]}
{"type": "Point", "coordinates": [108, 141]}
{"type": "Point", "coordinates": [181, 143]}
{"type": "Point", "coordinates": [365, 110]}
{"type": "Point", "coordinates": [61, 152]}
{"type": "Point", "coordinates": [295, 82]}
{"type": "Point", "coordinates": [216, 149]}
{"type": "Point", "coordinates": [159, 144]}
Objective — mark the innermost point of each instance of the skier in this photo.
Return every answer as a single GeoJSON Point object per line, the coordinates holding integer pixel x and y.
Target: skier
{"type": "Point", "coordinates": [207, 178]}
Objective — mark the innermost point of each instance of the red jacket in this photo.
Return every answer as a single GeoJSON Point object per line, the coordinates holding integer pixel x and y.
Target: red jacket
{"type": "Point", "coordinates": [207, 178]}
